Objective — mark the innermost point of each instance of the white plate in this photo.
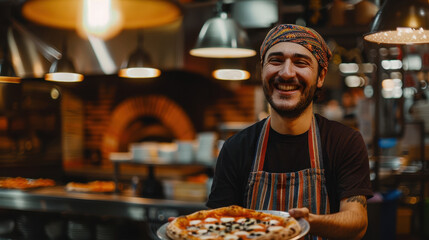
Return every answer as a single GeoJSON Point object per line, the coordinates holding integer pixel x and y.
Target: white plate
{"type": "Point", "coordinates": [305, 227]}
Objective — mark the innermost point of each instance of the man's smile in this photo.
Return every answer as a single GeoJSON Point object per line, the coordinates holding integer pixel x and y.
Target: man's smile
{"type": "Point", "coordinates": [286, 87]}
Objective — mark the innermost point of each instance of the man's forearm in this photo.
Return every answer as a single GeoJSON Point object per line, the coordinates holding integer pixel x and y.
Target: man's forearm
{"type": "Point", "coordinates": [349, 223]}
{"type": "Point", "coordinates": [342, 225]}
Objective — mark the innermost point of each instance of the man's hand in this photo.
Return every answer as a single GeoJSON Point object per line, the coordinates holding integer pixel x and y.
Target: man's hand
{"type": "Point", "coordinates": [299, 213]}
{"type": "Point", "coordinates": [349, 223]}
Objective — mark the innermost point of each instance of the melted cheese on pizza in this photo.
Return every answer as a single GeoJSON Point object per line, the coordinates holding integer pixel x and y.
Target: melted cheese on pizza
{"type": "Point", "coordinates": [231, 228]}
{"type": "Point", "coordinates": [232, 223]}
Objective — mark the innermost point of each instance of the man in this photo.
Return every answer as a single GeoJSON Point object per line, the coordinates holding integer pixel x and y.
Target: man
{"type": "Point", "coordinates": [295, 160]}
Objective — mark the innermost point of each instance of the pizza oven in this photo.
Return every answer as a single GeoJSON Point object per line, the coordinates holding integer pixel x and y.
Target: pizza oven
{"type": "Point", "coordinates": [144, 119]}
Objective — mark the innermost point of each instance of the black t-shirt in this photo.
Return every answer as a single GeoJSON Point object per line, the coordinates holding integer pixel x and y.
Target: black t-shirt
{"type": "Point", "coordinates": [345, 160]}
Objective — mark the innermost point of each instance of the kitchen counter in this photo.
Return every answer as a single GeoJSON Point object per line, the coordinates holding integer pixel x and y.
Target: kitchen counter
{"type": "Point", "coordinates": [123, 205]}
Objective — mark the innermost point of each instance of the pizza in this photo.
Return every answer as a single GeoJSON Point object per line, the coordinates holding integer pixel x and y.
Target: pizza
{"type": "Point", "coordinates": [94, 186]}
{"type": "Point", "coordinates": [25, 183]}
{"type": "Point", "coordinates": [232, 223]}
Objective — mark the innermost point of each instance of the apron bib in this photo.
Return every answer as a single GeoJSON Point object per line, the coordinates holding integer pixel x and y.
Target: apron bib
{"type": "Point", "coordinates": [282, 191]}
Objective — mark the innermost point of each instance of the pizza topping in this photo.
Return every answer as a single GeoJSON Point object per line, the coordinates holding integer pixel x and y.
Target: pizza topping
{"type": "Point", "coordinates": [227, 219]}
{"type": "Point", "coordinates": [273, 222]}
{"type": "Point", "coordinates": [232, 228]}
{"type": "Point", "coordinates": [255, 227]}
{"type": "Point", "coordinates": [236, 224]}
{"type": "Point", "coordinates": [274, 228]}
{"type": "Point", "coordinates": [241, 233]}
{"type": "Point", "coordinates": [194, 222]}
{"type": "Point", "coordinates": [231, 237]}
{"type": "Point", "coordinates": [210, 219]}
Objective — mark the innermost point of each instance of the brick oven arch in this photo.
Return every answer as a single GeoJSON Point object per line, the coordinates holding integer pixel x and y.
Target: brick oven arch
{"type": "Point", "coordinates": [164, 109]}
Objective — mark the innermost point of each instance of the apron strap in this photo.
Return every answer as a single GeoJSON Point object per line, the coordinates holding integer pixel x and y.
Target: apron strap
{"type": "Point", "coordinates": [315, 148]}
{"type": "Point", "coordinates": [258, 163]}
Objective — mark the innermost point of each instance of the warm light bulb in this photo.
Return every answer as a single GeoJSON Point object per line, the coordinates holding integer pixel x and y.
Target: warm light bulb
{"type": "Point", "coordinates": [231, 74]}
{"type": "Point", "coordinates": [63, 77]}
{"type": "Point", "coordinates": [139, 72]}
{"type": "Point", "coordinates": [101, 18]}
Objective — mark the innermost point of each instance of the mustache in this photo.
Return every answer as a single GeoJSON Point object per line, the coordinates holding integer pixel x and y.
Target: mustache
{"type": "Point", "coordinates": [279, 80]}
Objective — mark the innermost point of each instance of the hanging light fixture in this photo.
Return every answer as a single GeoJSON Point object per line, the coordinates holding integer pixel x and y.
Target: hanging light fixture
{"type": "Point", "coordinates": [230, 69]}
{"type": "Point", "coordinates": [222, 37]}
{"type": "Point", "coordinates": [63, 70]}
{"type": "Point", "coordinates": [7, 73]}
{"type": "Point", "coordinates": [112, 15]}
{"type": "Point", "coordinates": [401, 22]}
{"type": "Point", "coordinates": [231, 74]}
{"type": "Point", "coordinates": [139, 64]}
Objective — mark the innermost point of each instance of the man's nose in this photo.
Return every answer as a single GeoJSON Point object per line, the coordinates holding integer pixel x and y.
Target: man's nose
{"type": "Point", "coordinates": [287, 70]}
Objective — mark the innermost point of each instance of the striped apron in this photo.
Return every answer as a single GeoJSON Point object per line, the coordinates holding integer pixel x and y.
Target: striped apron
{"type": "Point", "coordinates": [282, 191]}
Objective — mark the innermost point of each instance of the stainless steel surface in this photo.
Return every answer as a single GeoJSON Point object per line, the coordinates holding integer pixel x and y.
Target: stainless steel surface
{"type": "Point", "coordinates": [56, 199]}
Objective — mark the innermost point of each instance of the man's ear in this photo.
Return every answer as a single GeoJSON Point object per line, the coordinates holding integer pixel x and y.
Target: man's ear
{"type": "Point", "coordinates": [321, 78]}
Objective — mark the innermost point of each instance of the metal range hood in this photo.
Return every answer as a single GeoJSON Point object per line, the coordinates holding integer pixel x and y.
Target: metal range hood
{"type": "Point", "coordinates": [34, 47]}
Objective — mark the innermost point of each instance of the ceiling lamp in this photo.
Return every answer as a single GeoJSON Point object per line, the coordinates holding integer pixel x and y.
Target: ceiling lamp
{"type": "Point", "coordinates": [222, 37]}
{"type": "Point", "coordinates": [230, 69]}
{"type": "Point", "coordinates": [231, 74]}
{"type": "Point", "coordinates": [112, 15]}
{"type": "Point", "coordinates": [7, 73]}
{"type": "Point", "coordinates": [63, 70]}
{"type": "Point", "coordinates": [100, 18]}
{"type": "Point", "coordinates": [401, 22]}
{"type": "Point", "coordinates": [139, 64]}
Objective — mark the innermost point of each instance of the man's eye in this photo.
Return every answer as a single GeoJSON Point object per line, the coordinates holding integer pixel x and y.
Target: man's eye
{"type": "Point", "coordinates": [301, 63]}
{"type": "Point", "coordinates": [274, 60]}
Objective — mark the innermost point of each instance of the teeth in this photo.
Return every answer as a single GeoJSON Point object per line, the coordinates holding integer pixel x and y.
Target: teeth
{"type": "Point", "coordinates": [287, 87]}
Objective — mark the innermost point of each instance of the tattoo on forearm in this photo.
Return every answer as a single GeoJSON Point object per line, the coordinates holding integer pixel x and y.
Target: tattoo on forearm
{"type": "Point", "coordinates": [359, 199]}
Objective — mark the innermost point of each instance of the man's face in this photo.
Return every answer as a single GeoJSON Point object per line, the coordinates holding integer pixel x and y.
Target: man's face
{"type": "Point", "coordinates": [290, 78]}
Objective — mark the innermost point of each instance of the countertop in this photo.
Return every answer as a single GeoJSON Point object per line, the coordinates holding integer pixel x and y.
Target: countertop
{"type": "Point", "coordinates": [57, 199]}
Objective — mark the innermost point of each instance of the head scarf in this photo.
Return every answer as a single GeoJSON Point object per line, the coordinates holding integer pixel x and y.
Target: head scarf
{"type": "Point", "coordinates": [304, 36]}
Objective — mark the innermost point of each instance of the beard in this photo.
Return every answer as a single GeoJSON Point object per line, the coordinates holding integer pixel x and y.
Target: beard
{"type": "Point", "coordinates": [307, 97]}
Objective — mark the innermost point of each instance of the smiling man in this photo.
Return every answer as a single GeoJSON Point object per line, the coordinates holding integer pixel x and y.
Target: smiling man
{"type": "Point", "coordinates": [295, 160]}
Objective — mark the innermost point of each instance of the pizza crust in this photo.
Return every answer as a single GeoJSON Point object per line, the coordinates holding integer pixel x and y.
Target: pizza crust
{"type": "Point", "coordinates": [178, 228]}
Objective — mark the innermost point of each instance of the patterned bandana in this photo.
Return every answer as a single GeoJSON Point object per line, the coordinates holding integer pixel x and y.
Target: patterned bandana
{"type": "Point", "coordinates": [304, 36]}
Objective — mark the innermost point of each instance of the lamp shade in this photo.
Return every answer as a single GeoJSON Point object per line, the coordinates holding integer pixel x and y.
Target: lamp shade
{"type": "Point", "coordinates": [139, 64]}
{"type": "Point", "coordinates": [231, 74]}
{"type": "Point", "coordinates": [7, 74]}
{"type": "Point", "coordinates": [222, 37]}
{"type": "Point", "coordinates": [62, 70]}
{"type": "Point", "coordinates": [230, 69]}
{"type": "Point", "coordinates": [401, 22]}
{"type": "Point", "coordinates": [134, 13]}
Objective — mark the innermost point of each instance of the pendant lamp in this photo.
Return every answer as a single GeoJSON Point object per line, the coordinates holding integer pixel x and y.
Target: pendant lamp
{"type": "Point", "coordinates": [222, 37]}
{"type": "Point", "coordinates": [230, 70]}
{"type": "Point", "coordinates": [139, 64]}
{"type": "Point", "coordinates": [401, 22]}
{"type": "Point", "coordinates": [110, 15]}
{"type": "Point", "coordinates": [7, 73]}
{"type": "Point", "coordinates": [231, 74]}
{"type": "Point", "coordinates": [63, 70]}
